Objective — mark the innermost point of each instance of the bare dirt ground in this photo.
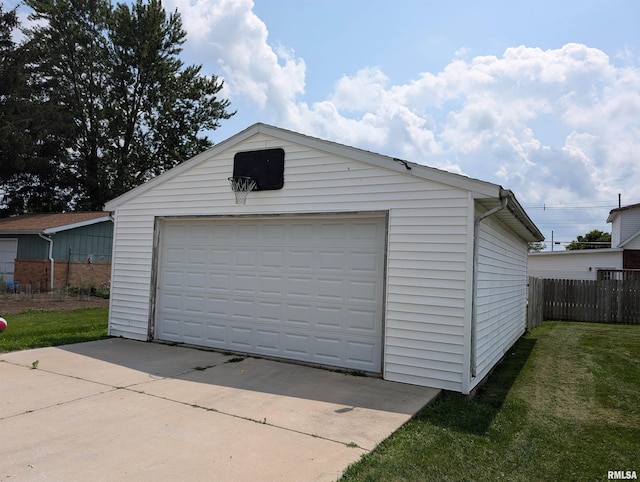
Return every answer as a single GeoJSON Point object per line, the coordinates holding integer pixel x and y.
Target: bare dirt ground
{"type": "Point", "coordinates": [17, 303]}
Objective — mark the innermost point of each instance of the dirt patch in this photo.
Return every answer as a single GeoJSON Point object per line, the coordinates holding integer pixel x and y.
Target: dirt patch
{"type": "Point", "coordinates": [12, 304]}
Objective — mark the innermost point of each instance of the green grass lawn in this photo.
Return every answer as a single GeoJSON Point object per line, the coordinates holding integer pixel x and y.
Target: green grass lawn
{"type": "Point", "coordinates": [34, 329]}
{"type": "Point", "coordinates": [563, 406]}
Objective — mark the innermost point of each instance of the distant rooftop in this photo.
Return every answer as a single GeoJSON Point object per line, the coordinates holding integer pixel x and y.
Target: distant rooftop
{"type": "Point", "coordinates": [34, 223]}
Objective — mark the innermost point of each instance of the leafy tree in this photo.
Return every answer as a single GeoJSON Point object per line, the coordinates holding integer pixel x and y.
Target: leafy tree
{"type": "Point", "coordinates": [594, 239]}
{"type": "Point", "coordinates": [106, 103]}
{"type": "Point", "coordinates": [159, 105]}
{"type": "Point", "coordinates": [536, 247]}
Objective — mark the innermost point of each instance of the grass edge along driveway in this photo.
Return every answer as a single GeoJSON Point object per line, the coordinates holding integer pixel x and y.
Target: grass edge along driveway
{"type": "Point", "coordinates": [564, 405]}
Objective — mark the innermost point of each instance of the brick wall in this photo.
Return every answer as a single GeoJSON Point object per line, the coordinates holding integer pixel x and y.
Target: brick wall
{"type": "Point", "coordinates": [37, 272]}
{"type": "Point", "coordinates": [631, 259]}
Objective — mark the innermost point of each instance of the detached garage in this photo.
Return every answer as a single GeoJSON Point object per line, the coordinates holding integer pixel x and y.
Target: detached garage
{"type": "Point", "coordinates": [278, 244]}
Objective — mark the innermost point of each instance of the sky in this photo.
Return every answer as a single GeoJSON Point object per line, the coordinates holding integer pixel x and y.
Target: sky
{"type": "Point", "coordinates": [542, 98]}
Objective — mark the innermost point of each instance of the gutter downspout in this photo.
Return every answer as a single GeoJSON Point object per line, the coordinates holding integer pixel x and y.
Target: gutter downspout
{"type": "Point", "coordinates": [504, 196]}
{"type": "Point", "coordinates": [51, 261]}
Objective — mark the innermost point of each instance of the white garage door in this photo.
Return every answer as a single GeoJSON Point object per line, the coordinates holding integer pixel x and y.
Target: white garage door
{"type": "Point", "coordinates": [308, 289]}
{"type": "Point", "coordinates": [8, 253]}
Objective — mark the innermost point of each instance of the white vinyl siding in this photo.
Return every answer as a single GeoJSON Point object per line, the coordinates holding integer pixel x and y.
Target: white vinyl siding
{"type": "Point", "coordinates": [501, 294]}
{"type": "Point", "coordinates": [633, 243]}
{"type": "Point", "coordinates": [580, 264]}
{"type": "Point", "coordinates": [131, 276]}
{"type": "Point", "coordinates": [428, 238]}
{"type": "Point", "coordinates": [629, 225]}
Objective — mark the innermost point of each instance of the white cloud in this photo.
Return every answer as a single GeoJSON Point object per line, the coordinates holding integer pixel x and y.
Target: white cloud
{"type": "Point", "coordinates": [228, 34]}
{"type": "Point", "coordinates": [559, 125]}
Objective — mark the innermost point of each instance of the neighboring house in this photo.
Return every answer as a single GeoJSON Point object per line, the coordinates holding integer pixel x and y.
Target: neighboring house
{"type": "Point", "coordinates": [342, 257]}
{"type": "Point", "coordinates": [46, 251]}
{"type": "Point", "coordinates": [625, 234]}
{"type": "Point", "coordinates": [584, 264]}
{"type": "Point", "coordinates": [579, 264]}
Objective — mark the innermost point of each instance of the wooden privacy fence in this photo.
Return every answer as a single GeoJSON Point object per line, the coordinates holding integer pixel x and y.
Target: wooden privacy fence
{"type": "Point", "coordinates": [535, 302]}
{"type": "Point", "coordinates": [602, 301]}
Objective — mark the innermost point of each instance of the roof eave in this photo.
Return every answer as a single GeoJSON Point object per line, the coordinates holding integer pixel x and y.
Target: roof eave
{"type": "Point", "coordinates": [16, 232]}
{"type": "Point", "coordinates": [80, 224]}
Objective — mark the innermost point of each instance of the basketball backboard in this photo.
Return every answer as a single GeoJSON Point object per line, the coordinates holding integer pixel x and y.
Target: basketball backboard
{"type": "Point", "coordinates": [265, 167]}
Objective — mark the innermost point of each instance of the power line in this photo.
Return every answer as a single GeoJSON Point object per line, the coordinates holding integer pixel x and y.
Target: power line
{"type": "Point", "coordinates": [553, 208]}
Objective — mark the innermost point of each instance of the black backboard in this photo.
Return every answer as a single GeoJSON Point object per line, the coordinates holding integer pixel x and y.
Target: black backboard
{"type": "Point", "coordinates": [265, 167]}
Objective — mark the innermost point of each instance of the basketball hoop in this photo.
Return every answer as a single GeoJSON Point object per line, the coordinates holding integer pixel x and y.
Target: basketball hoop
{"type": "Point", "coordinates": [241, 185]}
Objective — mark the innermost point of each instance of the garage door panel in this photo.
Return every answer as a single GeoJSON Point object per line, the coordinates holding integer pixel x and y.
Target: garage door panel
{"type": "Point", "coordinates": [194, 304]}
{"type": "Point", "coordinates": [296, 345]}
{"type": "Point", "coordinates": [331, 289]}
{"type": "Point", "coordinates": [328, 349]}
{"type": "Point", "coordinates": [271, 285]}
{"type": "Point", "coordinates": [329, 318]}
{"type": "Point", "coordinates": [300, 260]}
{"type": "Point", "coordinates": [297, 315]}
{"type": "Point", "coordinates": [299, 287]}
{"type": "Point", "coordinates": [273, 259]}
{"type": "Point", "coordinates": [171, 327]}
{"type": "Point", "coordinates": [195, 280]}
{"type": "Point", "coordinates": [219, 282]}
{"type": "Point", "coordinates": [196, 256]}
{"type": "Point", "coordinates": [219, 258]}
{"type": "Point", "coordinates": [248, 233]}
{"type": "Point", "coordinates": [192, 331]}
{"type": "Point", "coordinates": [171, 302]}
{"type": "Point", "coordinates": [242, 310]}
{"type": "Point", "coordinates": [364, 263]}
{"type": "Point", "coordinates": [172, 279]}
{"type": "Point", "coordinates": [270, 312]}
{"type": "Point", "coordinates": [217, 307]}
{"type": "Point", "coordinates": [366, 292]}
{"type": "Point", "coordinates": [175, 256]}
{"type": "Point", "coordinates": [331, 261]}
{"type": "Point", "coordinates": [240, 338]}
{"type": "Point", "coordinates": [363, 321]}
{"type": "Point", "coordinates": [215, 334]}
{"type": "Point", "coordinates": [244, 284]}
{"type": "Point", "coordinates": [268, 342]}
{"type": "Point", "coordinates": [305, 289]}
{"type": "Point", "coordinates": [247, 258]}
{"type": "Point", "coordinates": [360, 352]}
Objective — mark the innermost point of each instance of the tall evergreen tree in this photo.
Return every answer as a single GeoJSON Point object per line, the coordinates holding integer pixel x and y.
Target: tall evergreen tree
{"type": "Point", "coordinates": [105, 103]}
{"type": "Point", "coordinates": [30, 179]}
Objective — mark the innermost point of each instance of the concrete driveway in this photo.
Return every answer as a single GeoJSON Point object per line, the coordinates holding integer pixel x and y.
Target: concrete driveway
{"type": "Point", "coordinates": [125, 410]}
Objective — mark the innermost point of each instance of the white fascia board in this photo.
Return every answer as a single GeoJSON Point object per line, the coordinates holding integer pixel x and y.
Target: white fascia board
{"type": "Point", "coordinates": [80, 224]}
